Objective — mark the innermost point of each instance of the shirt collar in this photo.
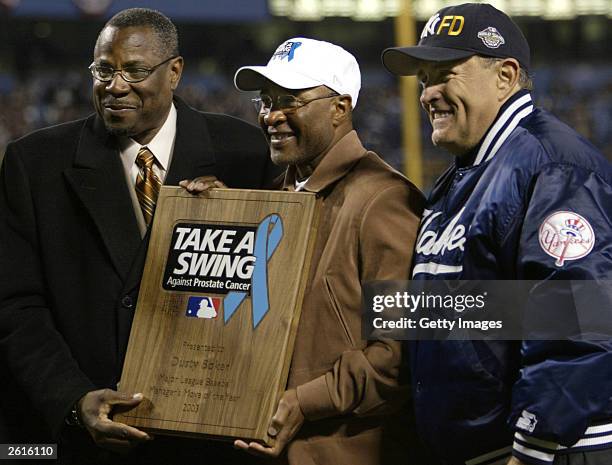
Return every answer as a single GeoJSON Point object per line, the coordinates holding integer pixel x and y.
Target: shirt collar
{"type": "Point", "coordinates": [509, 116]}
{"type": "Point", "coordinates": [334, 165]}
{"type": "Point", "coordinates": [299, 185]}
{"type": "Point", "coordinates": [161, 144]}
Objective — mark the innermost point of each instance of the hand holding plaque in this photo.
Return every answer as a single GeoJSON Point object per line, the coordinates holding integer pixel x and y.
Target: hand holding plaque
{"type": "Point", "coordinates": [284, 425]}
{"type": "Point", "coordinates": [219, 302]}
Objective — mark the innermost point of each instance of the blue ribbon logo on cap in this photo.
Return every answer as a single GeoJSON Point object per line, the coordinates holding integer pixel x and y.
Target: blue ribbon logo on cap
{"type": "Point", "coordinates": [267, 238]}
{"type": "Point", "coordinates": [286, 50]}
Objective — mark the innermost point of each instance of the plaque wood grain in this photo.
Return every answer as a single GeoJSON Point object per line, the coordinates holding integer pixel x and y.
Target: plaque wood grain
{"type": "Point", "coordinates": [205, 377]}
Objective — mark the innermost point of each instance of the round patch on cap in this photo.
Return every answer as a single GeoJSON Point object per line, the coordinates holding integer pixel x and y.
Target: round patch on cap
{"type": "Point", "coordinates": [566, 236]}
{"type": "Point", "coordinates": [491, 37]}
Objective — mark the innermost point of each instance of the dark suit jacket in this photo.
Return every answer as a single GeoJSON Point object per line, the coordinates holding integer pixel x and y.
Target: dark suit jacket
{"type": "Point", "coordinates": [71, 256]}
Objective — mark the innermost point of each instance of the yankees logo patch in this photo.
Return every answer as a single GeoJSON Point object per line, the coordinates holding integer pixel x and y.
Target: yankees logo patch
{"type": "Point", "coordinates": [566, 236]}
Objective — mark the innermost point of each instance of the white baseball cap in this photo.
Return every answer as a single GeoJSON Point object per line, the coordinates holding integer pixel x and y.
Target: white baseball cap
{"type": "Point", "coordinates": [302, 63]}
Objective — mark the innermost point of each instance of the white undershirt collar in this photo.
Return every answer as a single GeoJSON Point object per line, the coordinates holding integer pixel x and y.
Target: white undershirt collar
{"type": "Point", "coordinates": [161, 146]}
{"type": "Point", "coordinates": [299, 185]}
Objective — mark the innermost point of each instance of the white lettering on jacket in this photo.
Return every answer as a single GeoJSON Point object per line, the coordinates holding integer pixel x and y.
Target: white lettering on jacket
{"type": "Point", "coordinates": [453, 236]}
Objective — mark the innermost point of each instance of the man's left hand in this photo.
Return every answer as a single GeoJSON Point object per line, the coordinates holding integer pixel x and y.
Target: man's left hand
{"type": "Point", "coordinates": [284, 425]}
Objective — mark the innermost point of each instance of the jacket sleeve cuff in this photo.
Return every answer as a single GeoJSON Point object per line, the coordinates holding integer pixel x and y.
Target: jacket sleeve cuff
{"type": "Point", "coordinates": [69, 399]}
{"type": "Point", "coordinates": [314, 399]}
{"type": "Point", "coordinates": [533, 451]}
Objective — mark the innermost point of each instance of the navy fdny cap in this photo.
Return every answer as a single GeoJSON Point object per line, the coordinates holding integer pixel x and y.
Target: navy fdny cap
{"type": "Point", "coordinates": [461, 31]}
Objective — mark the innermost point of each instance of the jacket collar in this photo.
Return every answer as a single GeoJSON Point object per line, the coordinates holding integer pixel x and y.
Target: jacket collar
{"type": "Point", "coordinates": [334, 165]}
{"type": "Point", "coordinates": [98, 179]}
{"type": "Point", "coordinates": [193, 147]}
{"type": "Point", "coordinates": [508, 118]}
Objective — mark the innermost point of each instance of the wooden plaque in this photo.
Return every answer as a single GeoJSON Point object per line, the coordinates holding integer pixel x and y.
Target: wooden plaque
{"type": "Point", "coordinates": [218, 309]}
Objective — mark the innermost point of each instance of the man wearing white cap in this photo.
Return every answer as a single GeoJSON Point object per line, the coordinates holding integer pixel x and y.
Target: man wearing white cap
{"type": "Point", "coordinates": [343, 396]}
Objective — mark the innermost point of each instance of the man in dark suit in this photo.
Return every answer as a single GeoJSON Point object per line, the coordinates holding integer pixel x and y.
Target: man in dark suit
{"type": "Point", "coordinates": [75, 204]}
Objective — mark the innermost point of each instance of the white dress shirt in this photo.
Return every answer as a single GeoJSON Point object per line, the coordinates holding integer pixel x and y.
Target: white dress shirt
{"type": "Point", "coordinates": [161, 146]}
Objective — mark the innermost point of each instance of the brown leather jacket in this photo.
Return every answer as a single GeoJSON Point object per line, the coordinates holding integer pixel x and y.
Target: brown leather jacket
{"type": "Point", "coordinates": [348, 388]}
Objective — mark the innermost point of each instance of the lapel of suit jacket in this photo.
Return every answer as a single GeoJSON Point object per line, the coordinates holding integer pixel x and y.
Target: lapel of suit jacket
{"type": "Point", "coordinates": [193, 151]}
{"type": "Point", "coordinates": [98, 179]}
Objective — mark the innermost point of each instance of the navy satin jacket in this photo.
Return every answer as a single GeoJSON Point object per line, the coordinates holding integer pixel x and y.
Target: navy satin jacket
{"type": "Point", "coordinates": [532, 202]}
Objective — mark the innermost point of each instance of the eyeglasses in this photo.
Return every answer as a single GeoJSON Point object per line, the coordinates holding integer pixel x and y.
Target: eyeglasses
{"type": "Point", "coordinates": [284, 103]}
{"type": "Point", "coordinates": [131, 74]}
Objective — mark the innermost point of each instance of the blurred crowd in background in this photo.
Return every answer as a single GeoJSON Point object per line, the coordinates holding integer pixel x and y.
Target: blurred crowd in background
{"type": "Point", "coordinates": [581, 96]}
{"type": "Point", "coordinates": [44, 78]}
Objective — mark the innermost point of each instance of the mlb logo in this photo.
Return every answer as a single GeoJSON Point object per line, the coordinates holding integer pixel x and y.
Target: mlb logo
{"type": "Point", "coordinates": [203, 307]}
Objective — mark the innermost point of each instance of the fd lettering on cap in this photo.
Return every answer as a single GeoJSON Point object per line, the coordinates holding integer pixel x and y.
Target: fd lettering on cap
{"type": "Point", "coordinates": [452, 24]}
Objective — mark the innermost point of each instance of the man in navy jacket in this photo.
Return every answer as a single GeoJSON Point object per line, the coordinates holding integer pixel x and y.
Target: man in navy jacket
{"type": "Point", "coordinates": [526, 198]}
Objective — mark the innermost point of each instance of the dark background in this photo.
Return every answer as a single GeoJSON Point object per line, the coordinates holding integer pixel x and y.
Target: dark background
{"type": "Point", "coordinates": [48, 45]}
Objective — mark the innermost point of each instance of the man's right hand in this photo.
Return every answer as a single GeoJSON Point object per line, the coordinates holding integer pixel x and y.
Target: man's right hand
{"type": "Point", "coordinates": [96, 409]}
{"type": "Point", "coordinates": [201, 184]}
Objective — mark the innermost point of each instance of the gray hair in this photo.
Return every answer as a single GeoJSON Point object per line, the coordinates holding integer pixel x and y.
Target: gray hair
{"type": "Point", "coordinates": [525, 80]}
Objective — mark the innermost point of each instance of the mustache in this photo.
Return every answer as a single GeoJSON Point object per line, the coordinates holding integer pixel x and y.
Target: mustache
{"type": "Point", "coordinates": [118, 102]}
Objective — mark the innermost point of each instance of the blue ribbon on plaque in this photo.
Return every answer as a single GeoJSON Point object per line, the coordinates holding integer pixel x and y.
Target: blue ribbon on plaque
{"type": "Point", "coordinates": [267, 238]}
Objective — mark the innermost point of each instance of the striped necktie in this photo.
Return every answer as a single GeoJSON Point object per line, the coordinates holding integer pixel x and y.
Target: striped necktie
{"type": "Point", "coordinates": [147, 183]}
